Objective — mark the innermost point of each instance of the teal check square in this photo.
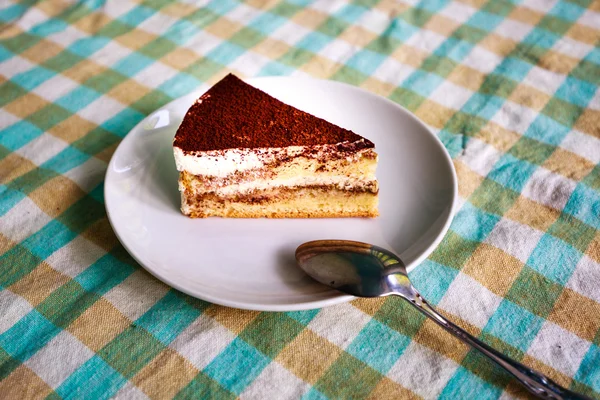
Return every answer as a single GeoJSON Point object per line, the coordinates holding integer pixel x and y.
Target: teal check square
{"type": "Point", "coordinates": [350, 13]}
{"type": "Point", "coordinates": [473, 223]}
{"type": "Point", "coordinates": [378, 346]}
{"type": "Point", "coordinates": [593, 56]}
{"type": "Point", "coordinates": [50, 238]}
{"type": "Point", "coordinates": [168, 317]}
{"type": "Point", "coordinates": [314, 394]}
{"type": "Point", "coordinates": [513, 68]}
{"type": "Point", "coordinates": [567, 10]}
{"type": "Point", "coordinates": [454, 49]}
{"type": "Point", "coordinates": [5, 54]}
{"type": "Point", "coordinates": [514, 325]}
{"type": "Point", "coordinates": [124, 121]}
{"type": "Point", "coordinates": [465, 384]}
{"type": "Point", "coordinates": [584, 204]}
{"type": "Point", "coordinates": [179, 85]}
{"type": "Point", "coordinates": [314, 42]}
{"type": "Point", "coordinates": [366, 61]}
{"type": "Point", "coordinates": [225, 53]}
{"type": "Point", "coordinates": [236, 366]}
{"type": "Point", "coordinates": [32, 78]}
{"type": "Point", "coordinates": [222, 7]}
{"type": "Point", "coordinates": [452, 142]}
{"type": "Point", "coordinates": [94, 379]}
{"type": "Point", "coordinates": [482, 105]}
{"type": "Point", "coordinates": [28, 335]}
{"type": "Point", "coordinates": [432, 5]}
{"type": "Point", "coordinates": [77, 99]}
{"type": "Point", "coordinates": [554, 258]}
{"type": "Point", "coordinates": [423, 83]}
{"type": "Point", "coordinates": [576, 91]}
{"type": "Point", "coordinates": [12, 12]}
{"type": "Point", "coordinates": [266, 23]}
{"type": "Point", "coordinates": [10, 198]}
{"type": "Point", "coordinates": [512, 172]}
{"type": "Point", "coordinates": [181, 32]}
{"type": "Point", "coordinates": [18, 135]}
{"type": "Point", "coordinates": [402, 30]}
{"type": "Point", "coordinates": [547, 130]}
{"type": "Point", "coordinates": [541, 37]}
{"type": "Point", "coordinates": [132, 64]}
{"type": "Point", "coordinates": [49, 27]}
{"type": "Point", "coordinates": [433, 280]}
{"type": "Point", "coordinates": [87, 46]}
{"type": "Point", "coordinates": [275, 68]}
{"type": "Point", "coordinates": [304, 317]}
{"type": "Point", "coordinates": [104, 274]}
{"type": "Point", "coordinates": [588, 371]}
{"type": "Point", "coordinates": [485, 21]}
{"type": "Point", "coordinates": [136, 16]}
{"type": "Point", "coordinates": [66, 160]}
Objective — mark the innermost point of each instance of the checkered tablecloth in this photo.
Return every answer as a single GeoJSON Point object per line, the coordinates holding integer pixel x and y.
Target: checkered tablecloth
{"type": "Point", "coordinates": [510, 87]}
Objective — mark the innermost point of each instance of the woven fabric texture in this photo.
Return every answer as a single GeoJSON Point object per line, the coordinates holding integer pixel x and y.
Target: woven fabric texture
{"type": "Point", "coordinates": [510, 88]}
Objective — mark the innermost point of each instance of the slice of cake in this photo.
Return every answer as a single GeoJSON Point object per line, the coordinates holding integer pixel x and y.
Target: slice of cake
{"type": "Point", "coordinates": [242, 153]}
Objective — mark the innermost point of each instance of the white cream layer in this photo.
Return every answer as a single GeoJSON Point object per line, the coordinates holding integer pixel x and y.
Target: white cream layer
{"type": "Point", "coordinates": [221, 163]}
{"type": "Point", "coordinates": [341, 182]}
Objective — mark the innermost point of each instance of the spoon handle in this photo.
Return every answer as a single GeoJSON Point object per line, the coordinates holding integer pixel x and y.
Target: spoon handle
{"type": "Point", "coordinates": [537, 383]}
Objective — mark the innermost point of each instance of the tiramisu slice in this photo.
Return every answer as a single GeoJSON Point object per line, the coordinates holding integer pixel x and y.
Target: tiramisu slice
{"type": "Point", "coordinates": [242, 153]}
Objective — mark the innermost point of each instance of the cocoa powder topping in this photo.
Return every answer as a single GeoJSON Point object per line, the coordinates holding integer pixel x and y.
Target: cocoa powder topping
{"type": "Point", "coordinates": [234, 114]}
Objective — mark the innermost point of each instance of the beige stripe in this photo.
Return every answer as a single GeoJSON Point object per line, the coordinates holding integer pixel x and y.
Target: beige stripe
{"type": "Point", "coordinates": [39, 283]}
{"type": "Point", "coordinates": [577, 314]}
{"type": "Point", "coordinates": [56, 195]}
{"type": "Point", "coordinates": [165, 375]}
{"type": "Point", "coordinates": [231, 318]}
{"type": "Point", "coordinates": [388, 389]}
{"type": "Point", "coordinates": [493, 268]}
{"type": "Point", "coordinates": [23, 383]}
{"type": "Point", "coordinates": [308, 356]}
{"type": "Point", "coordinates": [98, 325]}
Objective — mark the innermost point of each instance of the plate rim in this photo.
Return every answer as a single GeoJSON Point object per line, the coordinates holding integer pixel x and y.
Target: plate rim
{"type": "Point", "coordinates": [309, 305]}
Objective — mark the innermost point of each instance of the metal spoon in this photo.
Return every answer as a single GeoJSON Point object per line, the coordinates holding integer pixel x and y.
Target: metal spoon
{"type": "Point", "coordinates": [364, 270]}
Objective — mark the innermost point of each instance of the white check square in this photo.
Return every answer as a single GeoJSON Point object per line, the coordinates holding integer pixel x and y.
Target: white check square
{"type": "Point", "coordinates": [340, 324]}
{"type": "Point", "coordinates": [141, 286]}
{"type": "Point", "coordinates": [13, 309]}
{"type": "Point", "coordinates": [55, 87]}
{"type": "Point", "coordinates": [457, 11]}
{"type": "Point", "coordinates": [586, 278]}
{"type": "Point", "coordinates": [480, 156]}
{"type": "Point", "coordinates": [393, 72]}
{"type": "Point", "coordinates": [586, 146]}
{"type": "Point", "coordinates": [426, 40]}
{"type": "Point", "coordinates": [56, 361]}
{"type": "Point", "coordinates": [75, 257]}
{"type": "Point", "coordinates": [548, 188]}
{"type": "Point", "coordinates": [290, 33]}
{"type": "Point", "coordinates": [512, 29]}
{"type": "Point", "coordinates": [559, 348]}
{"type": "Point", "coordinates": [88, 175]}
{"type": "Point", "coordinates": [514, 238]}
{"type": "Point", "coordinates": [203, 330]}
{"type": "Point", "coordinates": [544, 80]}
{"type": "Point", "coordinates": [514, 117]}
{"type": "Point", "coordinates": [470, 301]}
{"type": "Point", "coordinates": [482, 60]}
{"type": "Point", "coordinates": [101, 109]}
{"type": "Point", "coordinates": [450, 95]}
{"type": "Point", "coordinates": [23, 220]}
{"type": "Point", "coordinates": [418, 365]}
{"type": "Point", "coordinates": [42, 148]}
{"type": "Point", "coordinates": [276, 382]}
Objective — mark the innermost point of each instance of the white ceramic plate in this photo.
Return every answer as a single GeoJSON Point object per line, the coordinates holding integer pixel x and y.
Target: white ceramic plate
{"type": "Point", "coordinates": [249, 263]}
